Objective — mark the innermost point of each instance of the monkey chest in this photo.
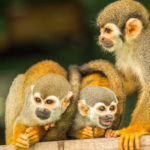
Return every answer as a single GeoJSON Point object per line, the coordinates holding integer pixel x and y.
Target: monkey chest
{"type": "Point", "coordinates": [128, 64]}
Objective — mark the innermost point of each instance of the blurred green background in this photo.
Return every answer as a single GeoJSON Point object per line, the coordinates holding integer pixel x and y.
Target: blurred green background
{"type": "Point", "coordinates": [61, 30]}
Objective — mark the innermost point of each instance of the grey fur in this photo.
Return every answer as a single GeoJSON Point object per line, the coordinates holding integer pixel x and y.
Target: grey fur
{"type": "Point", "coordinates": [94, 94]}
{"type": "Point", "coordinates": [47, 86]}
{"type": "Point", "coordinates": [120, 11]}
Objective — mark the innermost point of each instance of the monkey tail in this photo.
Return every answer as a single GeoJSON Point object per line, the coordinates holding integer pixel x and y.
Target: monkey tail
{"type": "Point", "coordinates": [63, 125]}
{"type": "Point", "coordinates": [115, 82]}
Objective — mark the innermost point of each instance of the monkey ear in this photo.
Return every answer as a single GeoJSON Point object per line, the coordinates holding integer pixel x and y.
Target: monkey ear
{"type": "Point", "coordinates": [83, 108]}
{"type": "Point", "coordinates": [67, 98]}
{"type": "Point", "coordinates": [133, 27]}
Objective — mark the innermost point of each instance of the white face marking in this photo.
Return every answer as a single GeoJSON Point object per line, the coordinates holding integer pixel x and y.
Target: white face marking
{"type": "Point", "coordinates": [114, 36]}
{"type": "Point", "coordinates": [54, 98]}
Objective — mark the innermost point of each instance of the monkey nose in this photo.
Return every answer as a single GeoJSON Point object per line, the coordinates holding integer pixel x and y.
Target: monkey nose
{"type": "Point", "coordinates": [108, 116]}
{"type": "Point", "coordinates": [106, 41]}
{"type": "Point", "coordinates": [42, 113]}
{"type": "Point", "coordinates": [101, 38]}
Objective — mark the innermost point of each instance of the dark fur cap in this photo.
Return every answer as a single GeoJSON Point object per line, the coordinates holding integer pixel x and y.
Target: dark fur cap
{"type": "Point", "coordinates": [120, 11]}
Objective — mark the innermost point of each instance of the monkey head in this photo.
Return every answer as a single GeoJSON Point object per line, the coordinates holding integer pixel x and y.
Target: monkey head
{"type": "Point", "coordinates": [48, 99]}
{"type": "Point", "coordinates": [99, 105]}
{"type": "Point", "coordinates": [120, 22]}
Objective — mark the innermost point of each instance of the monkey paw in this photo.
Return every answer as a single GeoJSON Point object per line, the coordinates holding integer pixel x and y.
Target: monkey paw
{"type": "Point", "coordinates": [48, 126]}
{"type": "Point", "coordinates": [130, 137]}
{"type": "Point", "coordinates": [112, 133]}
{"type": "Point", "coordinates": [86, 133]}
{"type": "Point", "coordinates": [98, 132]}
{"type": "Point", "coordinates": [22, 142]}
{"type": "Point", "coordinates": [33, 135]}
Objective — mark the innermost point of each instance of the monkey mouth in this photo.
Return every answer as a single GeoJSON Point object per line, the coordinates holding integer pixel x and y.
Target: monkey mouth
{"type": "Point", "coordinates": [107, 45]}
{"type": "Point", "coordinates": [105, 123]}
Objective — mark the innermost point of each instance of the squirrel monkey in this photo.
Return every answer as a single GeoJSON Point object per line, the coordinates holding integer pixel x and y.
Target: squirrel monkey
{"type": "Point", "coordinates": [97, 106]}
{"type": "Point", "coordinates": [96, 112]}
{"type": "Point", "coordinates": [36, 100]}
{"type": "Point", "coordinates": [125, 30]}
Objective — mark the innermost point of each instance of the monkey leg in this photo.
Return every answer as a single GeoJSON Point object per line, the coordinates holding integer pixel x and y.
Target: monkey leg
{"type": "Point", "coordinates": [85, 133]}
{"type": "Point", "coordinates": [98, 132]}
{"type": "Point", "coordinates": [34, 134]}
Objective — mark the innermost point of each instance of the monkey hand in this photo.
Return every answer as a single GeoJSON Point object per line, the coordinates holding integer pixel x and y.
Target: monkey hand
{"type": "Point", "coordinates": [85, 133]}
{"type": "Point", "coordinates": [22, 142]}
{"type": "Point", "coordinates": [98, 132]}
{"type": "Point", "coordinates": [48, 126]}
{"type": "Point", "coordinates": [130, 136]}
{"type": "Point", "coordinates": [112, 133]}
{"type": "Point", "coordinates": [33, 135]}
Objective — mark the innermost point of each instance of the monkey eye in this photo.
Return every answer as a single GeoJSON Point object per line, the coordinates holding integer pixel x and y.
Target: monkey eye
{"type": "Point", "coordinates": [107, 30]}
{"type": "Point", "coordinates": [102, 108]}
{"type": "Point", "coordinates": [112, 107]}
{"type": "Point", "coordinates": [49, 101]}
{"type": "Point", "coordinates": [37, 99]}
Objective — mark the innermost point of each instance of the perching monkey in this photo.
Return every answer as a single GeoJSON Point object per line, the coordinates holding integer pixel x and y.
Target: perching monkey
{"type": "Point", "coordinates": [96, 109]}
{"type": "Point", "coordinates": [36, 99]}
{"type": "Point", "coordinates": [102, 73]}
{"type": "Point", "coordinates": [96, 74]}
{"type": "Point", "coordinates": [125, 30]}
{"type": "Point", "coordinates": [62, 126]}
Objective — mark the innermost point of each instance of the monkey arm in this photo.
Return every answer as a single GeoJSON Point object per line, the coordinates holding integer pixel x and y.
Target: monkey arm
{"type": "Point", "coordinates": [140, 122]}
{"type": "Point", "coordinates": [131, 83]}
{"type": "Point", "coordinates": [14, 103]}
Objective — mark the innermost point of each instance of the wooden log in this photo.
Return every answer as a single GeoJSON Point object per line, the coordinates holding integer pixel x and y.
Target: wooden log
{"type": "Point", "coordinates": [86, 144]}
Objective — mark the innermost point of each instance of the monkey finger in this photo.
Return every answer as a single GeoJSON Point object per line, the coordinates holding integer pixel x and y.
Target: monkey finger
{"type": "Point", "coordinates": [30, 134]}
{"type": "Point", "coordinates": [88, 128]}
{"type": "Point", "coordinates": [121, 140]}
{"type": "Point", "coordinates": [137, 141]}
{"type": "Point", "coordinates": [19, 148]}
{"type": "Point", "coordinates": [23, 142]}
{"type": "Point", "coordinates": [108, 132]}
{"type": "Point", "coordinates": [20, 145]}
{"type": "Point", "coordinates": [23, 137]}
{"type": "Point", "coordinates": [35, 138]}
{"type": "Point", "coordinates": [126, 142]}
{"type": "Point", "coordinates": [34, 141]}
{"type": "Point", "coordinates": [116, 133]}
{"type": "Point", "coordinates": [131, 144]}
{"type": "Point", "coordinates": [87, 134]}
{"type": "Point", "coordinates": [29, 129]}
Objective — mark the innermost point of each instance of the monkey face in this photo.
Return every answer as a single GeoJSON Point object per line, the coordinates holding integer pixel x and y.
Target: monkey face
{"type": "Point", "coordinates": [105, 114]}
{"type": "Point", "coordinates": [100, 115]}
{"type": "Point", "coordinates": [110, 37]}
{"type": "Point", "coordinates": [49, 109]}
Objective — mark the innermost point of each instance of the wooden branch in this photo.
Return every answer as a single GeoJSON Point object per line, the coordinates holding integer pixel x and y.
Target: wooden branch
{"type": "Point", "coordinates": [87, 144]}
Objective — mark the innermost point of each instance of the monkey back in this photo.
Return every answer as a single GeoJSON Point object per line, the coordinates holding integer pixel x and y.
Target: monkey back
{"type": "Point", "coordinates": [120, 11]}
{"type": "Point", "coordinates": [43, 68]}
